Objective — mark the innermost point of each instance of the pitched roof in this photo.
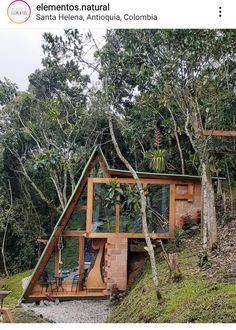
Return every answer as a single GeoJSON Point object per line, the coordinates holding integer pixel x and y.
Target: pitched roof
{"type": "Point", "coordinates": [72, 200]}
{"type": "Point", "coordinates": [124, 173]}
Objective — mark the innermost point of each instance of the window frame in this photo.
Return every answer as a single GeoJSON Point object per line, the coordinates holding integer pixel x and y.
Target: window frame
{"type": "Point", "coordinates": [89, 214]}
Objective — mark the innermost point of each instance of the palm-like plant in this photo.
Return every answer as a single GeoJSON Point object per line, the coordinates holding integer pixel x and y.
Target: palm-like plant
{"type": "Point", "coordinates": [157, 159]}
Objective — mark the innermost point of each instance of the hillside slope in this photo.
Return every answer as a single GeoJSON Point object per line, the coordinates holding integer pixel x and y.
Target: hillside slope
{"type": "Point", "coordinates": [202, 296]}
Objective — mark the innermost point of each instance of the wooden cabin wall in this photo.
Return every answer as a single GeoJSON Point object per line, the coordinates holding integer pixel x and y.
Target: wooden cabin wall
{"type": "Point", "coordinates": [191, 206]}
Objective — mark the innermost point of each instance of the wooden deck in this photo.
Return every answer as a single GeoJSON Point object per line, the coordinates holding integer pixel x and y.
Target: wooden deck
{"type": "Point", "coordinates": [66, 293]}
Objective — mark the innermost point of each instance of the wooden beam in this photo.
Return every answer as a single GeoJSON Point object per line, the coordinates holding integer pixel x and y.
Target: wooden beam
{"type": "Point", "coordinates": [7, 315]}
{"type": "Point", "coordinates": [144, 181]}
{"type": "Point", "coordinates": [218, 133]}
{"type": "Point", "coordinates": [129, 235]}
{"type": "Point", "coordinates": [57, 266]}
{"type": "Point", "coordinates": [81, 255]}
{"type": "Point", "coordinates": [89, 214]}
{"type": "Point", "coordinates": [184, 196]}
{"type": "Point", "coordinates": [73, 233]}
{"type": "Point", "coordinates": [103, 166]}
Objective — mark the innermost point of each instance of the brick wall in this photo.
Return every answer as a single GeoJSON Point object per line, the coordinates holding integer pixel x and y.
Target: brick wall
{"type": "Point", "coordinates": [182, 207]}
{"type": "Point", "coordinates": [116, 253]}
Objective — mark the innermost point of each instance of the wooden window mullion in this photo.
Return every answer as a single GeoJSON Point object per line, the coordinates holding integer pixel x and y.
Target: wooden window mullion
{"type": "Point", "coordinates": [89, 213]}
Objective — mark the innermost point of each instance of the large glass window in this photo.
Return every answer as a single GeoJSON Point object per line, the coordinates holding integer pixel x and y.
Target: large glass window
{"type": "Point", "coordinates": [77, 219]}
{"type": "Point", "coordinates": [68, 256]}
{"type": "Point", "coordinates": [158, 207]}
{"type": "Point", "coordinates": [49, 269]}
{"type": "Point", "coordinates": [116, 208]}
{"type": "Point", "coordinates": [104, 215]}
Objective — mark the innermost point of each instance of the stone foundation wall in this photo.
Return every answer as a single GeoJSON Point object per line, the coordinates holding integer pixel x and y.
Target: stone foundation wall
{"type": "Point", "coordinates": [116, 254]}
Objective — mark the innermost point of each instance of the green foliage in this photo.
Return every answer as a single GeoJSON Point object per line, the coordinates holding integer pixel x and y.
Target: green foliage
{"type": "Point", "coordinates": [21, 250]}
{"type": "Point", "coordinates": [8, 91]}
{"type": "Point", "coordinates": [157, 159]}
{"type": "Point", "coordinates": [131, 199]}
{"type": "Point", "coordinates": [126, 194]}
{"type": "Point", "coordinates": [46, 160]}
{"type": "Point", "coordinates": [178, 235]}
{"type": "Point", "coordinates": [47, 134]}
{"type": "Point", "coordinates": [113, 192]}
{"type": "Point", "coordinates": [128, 197]}
{"type": "Point", "coordinates": [188, 221]}
{"type": "Point", "coordinates": [228, 217]}
{"type": "Point", "coordinates": [178, 75]}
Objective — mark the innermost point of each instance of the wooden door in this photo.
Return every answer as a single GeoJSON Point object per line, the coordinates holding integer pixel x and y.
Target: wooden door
{"type": "Point", "coordinates": [95, 280]}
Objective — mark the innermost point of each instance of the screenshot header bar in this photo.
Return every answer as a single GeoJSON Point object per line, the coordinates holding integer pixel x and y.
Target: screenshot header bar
{"type": "Point", "coordinates": [23, 14]}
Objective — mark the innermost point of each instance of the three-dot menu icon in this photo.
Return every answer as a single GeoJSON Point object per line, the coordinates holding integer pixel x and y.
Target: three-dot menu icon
{"type": "Point", "coordinates": [220, 11]}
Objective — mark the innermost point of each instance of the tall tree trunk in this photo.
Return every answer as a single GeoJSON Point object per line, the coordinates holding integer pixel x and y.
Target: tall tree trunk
{"type": "Point", "coordinates": [5, 232]}
{"type": "Point", "coordinates": [177, 140]}
{"type": "Point", "coordinates": [55, 180]}
{"type": "Point", "coordinates": [209, 227]}
{"type": "Point", "coordinates": [143, 211]}
{"type": "Point", "coordinates": [72, 179]}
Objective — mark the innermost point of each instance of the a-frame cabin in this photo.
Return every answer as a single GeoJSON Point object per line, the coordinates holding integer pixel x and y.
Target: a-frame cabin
{"type": "Point", "coordinates": [87, 252]}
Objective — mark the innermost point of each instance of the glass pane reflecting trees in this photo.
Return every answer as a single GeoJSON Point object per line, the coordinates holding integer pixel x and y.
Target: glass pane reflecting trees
{"type": "Point", "coordinates": [158, 201]}
{"type": "Point", "coordinates": [104, 217]}
{"type": "Point", "coordinates": [69, 256]}
{"type": "Point", "coordinates": [122, 211]}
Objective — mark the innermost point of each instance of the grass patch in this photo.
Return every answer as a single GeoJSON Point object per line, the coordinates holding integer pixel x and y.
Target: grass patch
{"type": "Point", "coordinates": [14, 284]}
